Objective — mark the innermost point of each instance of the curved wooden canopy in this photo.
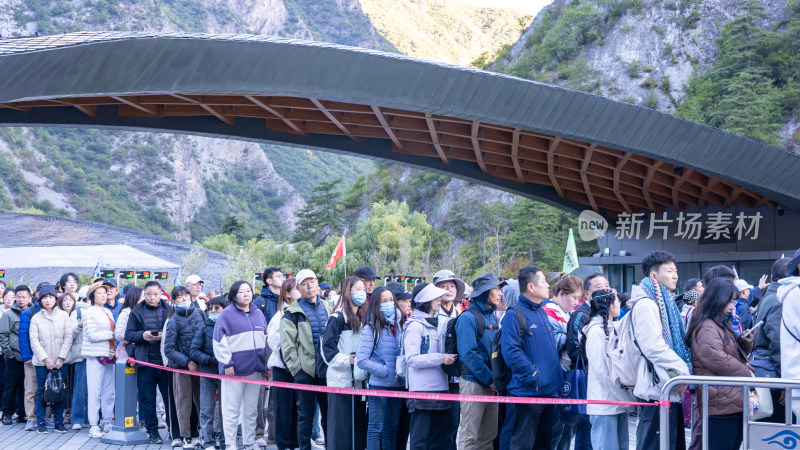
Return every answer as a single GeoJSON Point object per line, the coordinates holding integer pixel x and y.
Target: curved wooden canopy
{"type": "Point", "coordinates": [186, 82]}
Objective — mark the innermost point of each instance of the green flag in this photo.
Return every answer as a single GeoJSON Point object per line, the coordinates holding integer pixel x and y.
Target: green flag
{"type": "Point", "coordinates": [571, 255]}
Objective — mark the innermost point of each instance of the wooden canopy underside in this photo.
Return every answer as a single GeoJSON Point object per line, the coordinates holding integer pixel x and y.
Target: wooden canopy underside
{"type": "Point", "coordinates": [603, 179]}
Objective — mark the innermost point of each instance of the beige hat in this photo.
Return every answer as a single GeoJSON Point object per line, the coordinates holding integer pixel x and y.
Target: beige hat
{"type": "Point", "coordinates": [304, 274]}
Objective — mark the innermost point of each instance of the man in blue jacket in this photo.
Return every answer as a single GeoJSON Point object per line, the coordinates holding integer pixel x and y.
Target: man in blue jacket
{"type": "Point", "coordinates": [27, 358]}
{"type": "Point", "coordinates": [478, 426]}
{"type": "Point", "coordinates": [534, 363]}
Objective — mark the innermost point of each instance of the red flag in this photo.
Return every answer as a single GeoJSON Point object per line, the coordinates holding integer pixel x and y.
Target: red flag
{"type": "Point", "coordinates": [338, 252]}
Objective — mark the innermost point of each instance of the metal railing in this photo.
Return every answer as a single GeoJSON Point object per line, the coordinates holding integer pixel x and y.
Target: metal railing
{"type": "Point", "coordinates": [745, 382]}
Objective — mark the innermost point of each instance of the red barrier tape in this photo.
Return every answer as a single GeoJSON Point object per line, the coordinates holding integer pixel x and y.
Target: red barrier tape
{"type": "Point", "coordinates": [406, 394]}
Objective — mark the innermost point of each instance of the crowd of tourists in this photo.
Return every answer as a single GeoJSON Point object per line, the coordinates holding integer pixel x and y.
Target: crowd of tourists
{"type": "Point", "coordinates": [521, 337]}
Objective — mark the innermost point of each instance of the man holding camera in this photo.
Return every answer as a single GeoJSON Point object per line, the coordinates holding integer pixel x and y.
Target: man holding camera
{"type": "Point", "coordinates": [144, 332]}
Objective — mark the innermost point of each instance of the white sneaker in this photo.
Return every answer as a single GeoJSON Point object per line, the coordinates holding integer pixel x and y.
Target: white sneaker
{"type": "Point", "coordinates": [210, 447]}
{"type": "Point", "coordinates": [76, 426]}
{"type": "Point", "coordinates": [162, 423]}
{"type": "Point", "coordinates": [261, 442]}
{"type": "Point", "coordinates": [319, 441]}
{"type": "Point", "coordinates": [95, 432]}
{"type": "Point", "coordinates": [177, 442]}
{"type": "Point", "coordinates": [197, 442]}
{"type": "Point", "coordinates": [107, 428]}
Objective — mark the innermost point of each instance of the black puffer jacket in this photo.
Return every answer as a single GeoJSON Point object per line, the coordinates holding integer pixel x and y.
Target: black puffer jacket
{"type": "Point", "coordinates": [181, 328]}
{"type": "Point", "coordinates": [146, 318]}
{"type": "Point", "coordinates": [203, 348]}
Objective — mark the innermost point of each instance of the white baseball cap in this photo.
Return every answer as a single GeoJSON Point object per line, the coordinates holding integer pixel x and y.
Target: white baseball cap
{"type": "Point", "coordinates": [742, 285]}
{"type": "Point", "coordinates": [193, 279]}
{"type": "Point", "coordinates": [304, 274]}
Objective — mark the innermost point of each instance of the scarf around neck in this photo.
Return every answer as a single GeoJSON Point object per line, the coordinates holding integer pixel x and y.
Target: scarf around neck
{"type": "Point", "coordinates": [671, 322]}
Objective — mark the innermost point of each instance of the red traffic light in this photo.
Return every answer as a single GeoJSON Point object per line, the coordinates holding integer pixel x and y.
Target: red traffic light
{"type": "Point", "coordinates": [126, 274]}
{"type": "Point", "coordinates": [161, 275]}
{"type": "Point", "coordinates": [143, 275]}
{"type": "Point", "coordinates": [2, 273]}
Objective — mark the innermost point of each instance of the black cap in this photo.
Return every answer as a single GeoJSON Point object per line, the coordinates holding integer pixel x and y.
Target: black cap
{"type": "Point", "coordinates": [47, 290]}
{"type": "Point", "coordinates": [366, 273]}
{"type": "Point", "coordinates": [42, 284]}
{"type": "Point", "coordinates": [399, 292]}
{"type": "Point", "coordinates": [110, 282]}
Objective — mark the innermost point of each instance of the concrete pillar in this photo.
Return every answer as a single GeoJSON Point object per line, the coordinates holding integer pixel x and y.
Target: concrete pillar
{"type": "Point", "coordinates": [124, 431]}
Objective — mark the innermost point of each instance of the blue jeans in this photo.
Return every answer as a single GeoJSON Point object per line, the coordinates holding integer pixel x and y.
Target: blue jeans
{"type": "Point", "coordinates": [610, 432]}
{"type": "Point", "coordinates": [79, 394]}
{"type": "Point", "coordinates": [58, 408]}
{"type": "Point", "coordinates": [384, 415]}
{"type": "Point", "coordinates": [209, 387]}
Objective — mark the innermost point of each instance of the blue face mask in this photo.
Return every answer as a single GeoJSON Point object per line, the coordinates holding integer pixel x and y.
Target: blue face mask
{"type": "Point", "coordinates": [359, 297]}
{"type": "Point", "coordinates": [387, 309]}
{"type": "Point", "coordinates": [213, 317]}
{"type": "Point", "coordinates": [184, 305]}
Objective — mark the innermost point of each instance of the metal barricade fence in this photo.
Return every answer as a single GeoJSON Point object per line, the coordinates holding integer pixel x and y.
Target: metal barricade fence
{"type": "Point", "coordinates": [777, 431]}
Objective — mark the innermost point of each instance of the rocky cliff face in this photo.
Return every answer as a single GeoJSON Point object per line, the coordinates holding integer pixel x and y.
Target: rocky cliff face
{"type": "Point", "coordinates": [664, 41]}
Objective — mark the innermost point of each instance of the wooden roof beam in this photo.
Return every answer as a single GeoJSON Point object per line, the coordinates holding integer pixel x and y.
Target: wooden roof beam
{"type": "Point", "coordinates": [686, 173]}
{"type": "Point", "coordinates": [735, 192]}
{"type": "Point", "coordinates": [435, 138]}
{"type": "Point", "coordinates": [551, 172]}
{"type": "Point", "coordinates": [146, 109]}
{"type": "Point", "coordinates": [272, 111]}
{"type": "Point", "coordinates": [704, 195]}
{"type": "Point", "coordinates": [585, 179]}
{"type": "Point", "coordinates": [646, 186]}
{"type": "Point", "coordinates": [515, 153]}
{"type": "Point", "coordinates": [476, 147]}
{"type": "Point", "coordinates": [386, 127]}
{"type": "Point", "coordinates": [210, 109]}
{"type": "Point", "coordinates": [16, 108]}
{"type": "Point", "coordinates": [89, 110]}
{"type": "Point", "coordinates": [617, 171]}
{"type": "Point", "coordinates": [333, 119]}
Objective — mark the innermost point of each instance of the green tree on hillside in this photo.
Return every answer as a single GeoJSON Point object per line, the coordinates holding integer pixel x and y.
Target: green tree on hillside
{"type": "Point", "coordinates": [756, 82]}
{"type": "Point", "coordinates": [321, 216]}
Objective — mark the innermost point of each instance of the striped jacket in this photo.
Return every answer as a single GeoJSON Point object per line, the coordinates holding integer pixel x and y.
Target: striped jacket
{"type": "Point", "coordinates": [240, 340]}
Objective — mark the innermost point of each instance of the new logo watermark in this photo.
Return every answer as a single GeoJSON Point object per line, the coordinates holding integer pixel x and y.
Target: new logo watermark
{"type": "Point", "coordinates": [714, 226]}
{"type": "Point", "coordinates": [591, 226]}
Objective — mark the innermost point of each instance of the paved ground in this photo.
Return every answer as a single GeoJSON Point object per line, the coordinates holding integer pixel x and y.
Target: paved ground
{"type": "Point", "coordinates": [14, 437]}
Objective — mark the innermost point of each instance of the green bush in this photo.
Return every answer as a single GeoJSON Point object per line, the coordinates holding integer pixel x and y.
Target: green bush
{"type": "Point", "coordinates": [649, 83]}
{"type": "Point", "coordinates": [633, 72]}
{"type": "Point", "coordinates": [652, 99]}
{"type": "Point", "coordinates": [691, 20]}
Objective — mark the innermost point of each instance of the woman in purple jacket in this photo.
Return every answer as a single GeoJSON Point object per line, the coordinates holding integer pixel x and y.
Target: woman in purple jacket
{"type": "Point", "coordinates": [241, 357]}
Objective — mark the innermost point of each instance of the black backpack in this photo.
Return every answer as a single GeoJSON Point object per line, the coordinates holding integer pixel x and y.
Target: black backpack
{"type": "Point", "coordinates": [501, 373]}
{"type": "Point", "coordinates": [55, 390]}
{"type": "Point", "coordinates": [451, 343]}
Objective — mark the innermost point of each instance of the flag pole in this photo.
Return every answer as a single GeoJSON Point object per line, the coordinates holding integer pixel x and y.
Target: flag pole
{"type": "Point", "coordinates": [344, 258]}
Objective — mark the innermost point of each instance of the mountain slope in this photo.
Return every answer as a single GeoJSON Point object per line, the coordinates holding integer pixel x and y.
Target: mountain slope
{"type": "Point", "coordinates": [443, 30]}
